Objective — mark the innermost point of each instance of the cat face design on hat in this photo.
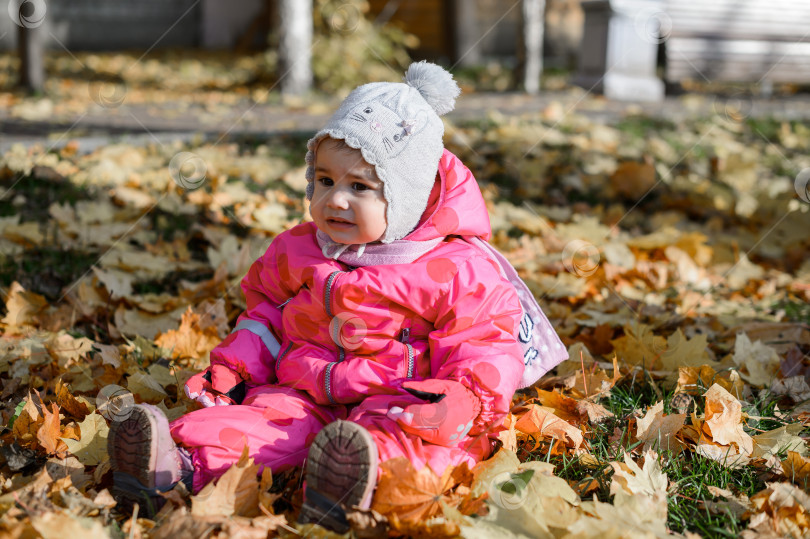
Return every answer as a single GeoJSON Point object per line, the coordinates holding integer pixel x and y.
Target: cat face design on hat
{"type": "Point", "coordinates": [386, 125]}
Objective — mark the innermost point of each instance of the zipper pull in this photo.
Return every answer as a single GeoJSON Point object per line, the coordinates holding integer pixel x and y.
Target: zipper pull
{"type": "Point", "coordinates": [405, 335]}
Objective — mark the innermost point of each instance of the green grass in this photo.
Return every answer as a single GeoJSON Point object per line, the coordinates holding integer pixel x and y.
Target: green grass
{"type": "Point", "coordinates": [638, 126]}
{"type": "Point", "coordinates": [795, 311]}
{"type": "Point", "coordinates": [691, 473]}
{"type": "Point", "coordinates": [46, 270]}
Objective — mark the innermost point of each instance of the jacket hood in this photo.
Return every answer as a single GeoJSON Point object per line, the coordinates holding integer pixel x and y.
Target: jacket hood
{"type": "Point", "coordinates": [456, 205]}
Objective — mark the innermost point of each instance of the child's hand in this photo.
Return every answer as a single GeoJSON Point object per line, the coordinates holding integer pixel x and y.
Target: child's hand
{"type": "Point", "coordinates": [216, 386]}
{"type": "Point", "coordinates": [448, 416]}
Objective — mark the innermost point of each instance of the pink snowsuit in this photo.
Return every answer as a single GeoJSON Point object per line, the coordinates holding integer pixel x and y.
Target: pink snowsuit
{"type": "Point", "coordinates": [321, 341]}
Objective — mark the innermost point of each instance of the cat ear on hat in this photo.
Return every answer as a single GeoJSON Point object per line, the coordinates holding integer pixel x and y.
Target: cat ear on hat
{"type": "Point", "coordinates": [435, 84]}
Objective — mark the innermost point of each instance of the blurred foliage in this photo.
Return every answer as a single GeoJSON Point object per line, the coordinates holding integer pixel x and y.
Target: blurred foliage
{"type": "Point", "coordinates": [349, 49]}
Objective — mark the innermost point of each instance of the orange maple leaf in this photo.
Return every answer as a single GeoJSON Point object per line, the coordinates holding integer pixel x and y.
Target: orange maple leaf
{"type": "Point", "coordinates": [410, 494]}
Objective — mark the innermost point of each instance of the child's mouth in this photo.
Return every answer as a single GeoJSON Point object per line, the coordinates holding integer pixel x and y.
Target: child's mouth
{"type": "Point", "coordinates": [339, 224]}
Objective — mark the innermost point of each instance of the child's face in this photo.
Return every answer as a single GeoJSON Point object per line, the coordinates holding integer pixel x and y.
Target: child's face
{"type": "Point", "coordinates": [347, 189]}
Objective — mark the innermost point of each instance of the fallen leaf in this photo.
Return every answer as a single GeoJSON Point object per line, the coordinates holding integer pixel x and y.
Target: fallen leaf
{"type": "Point", "coordinates": [785, 438]}
{"type": "Point", "coordinates": [145, 387]}
{"type": "Point", "coordinates": [639, 346]}
{"type": "Point", "coordinates": [796, 468]}
{"type": "Point", "coordinates": [236, 492]}
{"type": "Point", "coordinates": [91, 449]}
{"type": "Point", "coordinates": [724, 419]}
{"type": "Point", "coordinates": [61, 524]}
{"type": "Point", "coordinates": [68, 403]}
{"type": "Point", "coordinates": [413, 495]}
{"type": "Point", "coordinates": [539, 421]}
{"type": "Point", "coordinates": [647, 481]}
{"type": "Point", "coordinates": [191, 339]}
{"type": "Point", "coordinates": [659, 431]}
{"type": "Point", "coordinates": [49, 432]}
{"type": "Point", "coordinates": [759, 363]}
{"type": "Point", "coordinates": [683, 352]}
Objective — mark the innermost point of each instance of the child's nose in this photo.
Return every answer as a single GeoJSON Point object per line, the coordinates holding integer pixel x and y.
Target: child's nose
{"type": "Point", "coordinates": [338, 199]}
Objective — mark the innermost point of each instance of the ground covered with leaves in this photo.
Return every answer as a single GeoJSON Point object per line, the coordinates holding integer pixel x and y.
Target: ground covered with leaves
{"type": "Point", "coordinates": [671, 258]}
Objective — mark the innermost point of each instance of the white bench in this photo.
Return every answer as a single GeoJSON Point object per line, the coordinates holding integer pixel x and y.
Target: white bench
{"type": "Point", "coordinates": [760, 41]}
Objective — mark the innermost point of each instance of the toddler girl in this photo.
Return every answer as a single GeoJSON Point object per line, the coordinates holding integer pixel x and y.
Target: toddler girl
{"type": "Point", "coordinates": [386, 327]}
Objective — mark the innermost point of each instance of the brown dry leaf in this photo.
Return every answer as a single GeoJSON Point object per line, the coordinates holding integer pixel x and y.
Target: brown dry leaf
{"type": "Point", "coordinates": [236, 492]}
{"type": "Point", "coordinates": [758, 363]}
{"type": "Point", "coordinates": [693, 380]}
{"type": "Point", "coordinates": [695, 245]}
{"type": "Point", "coordinates": [782, 510]}
{"type": "Point", "coordinates": [796, 468]}
{"type": "Point", "coordinates": [775, 441]}
{"type": "Point", "coordinates": [508, 436]}
{"type": "Point", "coordinates": [22, 308]}
{"type": "Point", "coordinates": [110, 355]}
{"type": "Point", "coordinates": [683, 352]}
{"type": "Point", "coordinates": [192, 339]}
{"type": "Point", "coordinates": [632, 179]}
{"type": "Point", "coordinates": [434, 528]}
{"type": "Point", "coordinates": [410, 494]}
{"type": "Point", "coordinates": [68, 403]}
{"type": "Point", "coordinates": [49, 432]}
{"type": "Point", "coordinates": [659, 431]}
{"type": "Point", "coordinates": [145, 387]}
{"type": "Point", "coordinates": [724, 420]}
{"type": "Point", "coordinates": [795, 387]}
{"type": "Point", "coordinates": [145, 324]}
{"type": "Point", "coordinates": [639, 346]}
{"type": "Point", "coordinates": [572, 410]}
{"type": "Point", "coordinates": [27, 424]}
{"type": "Point", "coordinates": [540, 421]}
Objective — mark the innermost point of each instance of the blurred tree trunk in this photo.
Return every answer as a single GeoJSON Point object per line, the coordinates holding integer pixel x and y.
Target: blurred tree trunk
{"type": "Point", "coordinates": [31, 48]}
{"type": "Point", "coordinates": [533, 12]}
{"type": "Point", "coordinates": [295, 46]}
{"type": "Point", "coordinates": [466, 49]}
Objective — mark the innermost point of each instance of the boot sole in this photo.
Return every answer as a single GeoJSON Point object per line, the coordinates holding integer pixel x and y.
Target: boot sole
{"type": "Point", "coordinates": [138, 460]}
{"type": "Point", "coordinates": [342, 469]}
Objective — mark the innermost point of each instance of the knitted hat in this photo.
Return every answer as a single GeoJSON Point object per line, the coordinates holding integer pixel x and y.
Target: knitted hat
{"type": "Point", "coordinates": [396, 127]}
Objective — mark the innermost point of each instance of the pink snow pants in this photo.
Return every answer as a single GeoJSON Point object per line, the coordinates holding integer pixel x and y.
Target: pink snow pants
{"type": "Point", "coordinates": [279, 423]}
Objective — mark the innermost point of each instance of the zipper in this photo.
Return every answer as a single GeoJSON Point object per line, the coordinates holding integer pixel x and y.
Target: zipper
{"type": "Point", "coordinates": [327, 377]}
{"type": "Point", "coordinates": [327, 382]}
{"type": "Point", "coordinates": [328, 292]}
{"type": "Point", "coordinates": [281, 355]}
{"type": "Point", "coordinates": [404, 337]}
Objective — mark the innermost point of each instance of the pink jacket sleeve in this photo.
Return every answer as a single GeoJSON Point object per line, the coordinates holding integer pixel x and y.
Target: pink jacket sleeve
{"type": "Point", "coordinates": [475, 339]}
{"type": "Point", "coordinates": [253, 345]}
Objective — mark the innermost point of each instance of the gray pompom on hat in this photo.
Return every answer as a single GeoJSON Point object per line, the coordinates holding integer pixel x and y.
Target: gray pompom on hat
{"type": "Point", "coordinates": [397, 128]}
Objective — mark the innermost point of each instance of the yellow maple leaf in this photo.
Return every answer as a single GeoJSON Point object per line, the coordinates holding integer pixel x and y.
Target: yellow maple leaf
{"type": "Point", "coordinates": [236, 492]}
{"type": "Point", "coordinates": [91, 449]}
{"type": "Point", "coordinates": [192, 339]}
{"type": "Point", "coordinates": [639, 346]}
{"type": "Point", "coordinates": [683, 352]}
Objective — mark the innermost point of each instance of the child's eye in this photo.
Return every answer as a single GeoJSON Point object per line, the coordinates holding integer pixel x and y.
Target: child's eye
{"type": "Point", "coordinates": [325, 181]}
{"type": "Point", "coordinates": [360, 186]}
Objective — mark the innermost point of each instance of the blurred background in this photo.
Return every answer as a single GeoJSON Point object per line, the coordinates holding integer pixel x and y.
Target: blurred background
{"type": "Point", "coordinates": [182, 65]}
